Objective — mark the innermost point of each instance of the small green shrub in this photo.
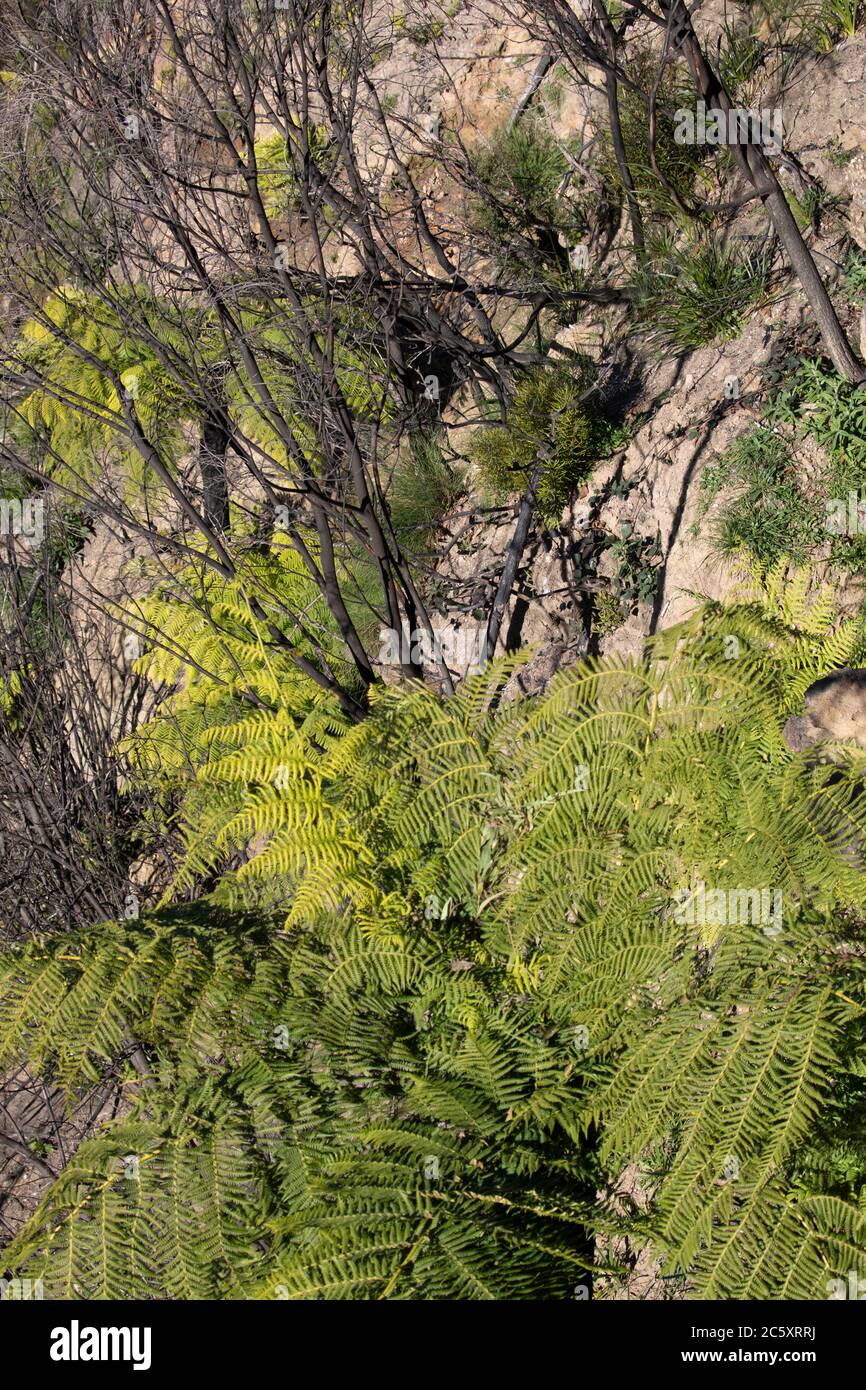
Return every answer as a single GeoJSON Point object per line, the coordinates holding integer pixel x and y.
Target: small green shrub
{"type": "Point", "coordinates": [607, 614]}
{"type": "Point", "coordinates": [430, 31]}
{"type": "Point", "coordinates": [636, 558]}
{"type": "Point", "coordinates": [775, 510]}
{"type": "Point", "coordinates": [549, 418]}
{"type": "Point", "coordinates": [854, 275]}
{"type": "Point", "coordinates": [524, 164]}
{"type": "Point", "coordinates": [825, 407]}
{"type": "Point", "coordinates": [822, 406]}
{"type": "Point", "coordinates": [677, 163]}
{"type": "Point", "coordinates": [520, 204]}
{"type": "Point", "coordinates": [685, 297]}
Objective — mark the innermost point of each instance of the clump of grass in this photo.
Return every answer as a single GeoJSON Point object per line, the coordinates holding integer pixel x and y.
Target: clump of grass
{"type": "Point", "coordinates": [769, 514]}
{"type": "Point", "coordinates": [839, 19]}
{"type": "Point", "coordinates": [423, 486]}
{"type": "Point", "coordinates": [816, 204]}
{"type": "Point", "coordinates": [817, 25]}
{"type": "Point", "coordinates": [836, 155]}
{"type": "Point", "coordinates": [683, 298]}
{"type": "Point", "coordinates": [740, 55]}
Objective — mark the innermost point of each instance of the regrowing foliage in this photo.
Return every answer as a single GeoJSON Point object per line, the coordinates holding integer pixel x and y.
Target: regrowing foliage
{"type": "Point", "coordinates": [780, 502]}
{"type": "Point", "coordinates": [554, 420]}
{"type": "Point", "coordinates": [475, 994]}
{"type": "Point", "coordinates": [676, 165]}
{"type": "Point", "coordinates": [404, 984]}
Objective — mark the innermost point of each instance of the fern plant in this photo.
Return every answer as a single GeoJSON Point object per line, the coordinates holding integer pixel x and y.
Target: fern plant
{"type": "Point", "coordinates": [277, 182]}
{"type": "Point", "coordinates": [78, 347]}
{"type": "Point", "coordinates": [478, 989]}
